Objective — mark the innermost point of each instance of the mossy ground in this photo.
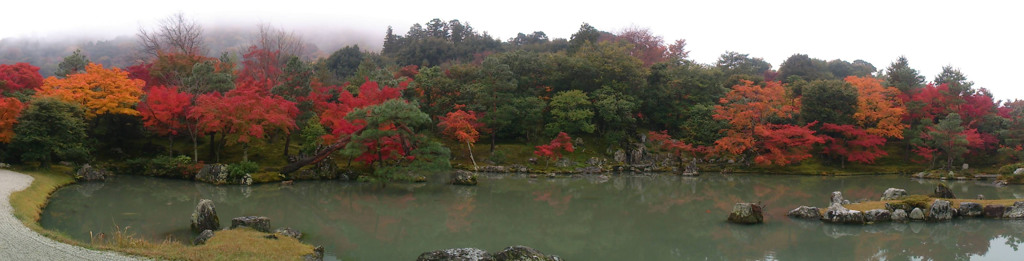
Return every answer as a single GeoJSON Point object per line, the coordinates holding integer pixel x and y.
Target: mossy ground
{"type": "Point", "coordinates": [237, 244]}
{"type": "Point", "coordinates": [919, 200]}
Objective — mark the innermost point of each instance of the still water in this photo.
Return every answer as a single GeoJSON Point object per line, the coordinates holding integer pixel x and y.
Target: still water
{"type": "Point", "coordinates": [626, 217]}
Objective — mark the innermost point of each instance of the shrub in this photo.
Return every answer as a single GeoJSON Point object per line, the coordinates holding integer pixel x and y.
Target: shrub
{"type": "Point", "coordinates": [238, 170]}
{"type": "Point", "coordinates": [498, 157]}
{"type": "Point", "coordinates": [917, 201]}
{"type": "Point", "coordinates": [1009, 168]}
{"type": "Point", "coordinates": [162, 166]}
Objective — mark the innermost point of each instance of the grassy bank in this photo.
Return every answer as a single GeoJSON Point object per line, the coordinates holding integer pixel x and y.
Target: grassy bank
{"type": "Point", "coordinates": [869, 205]}
{"type": "Point", "coordinates": [237, 244]}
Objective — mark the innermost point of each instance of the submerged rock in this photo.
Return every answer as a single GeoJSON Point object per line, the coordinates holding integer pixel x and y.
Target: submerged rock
{"type": "Point", "coordinates": [917, 214]}
{"type": "Point", "coordinates": [994, 211]}
{"type": "Point", "coordinates": [202, 237]}
{"type": "Point", "coordinates": [805, 212]}
{"type": "Point", "coordinates": [746, 213]}
{"type": "Point", "coordinates": [942, 191]}
{"type": "Point", "coordinates": [877, 215]}
{"type": "Point", "coordinates": [899, 215]}
{"type": "Point", "coordinates": [462, 177]}
{"type": "Point", "coordinates": [522, 253]}
{"type": "Point", "coordinates": [289, 232]}
{"type": "Point", "coordinates": [453, 254]}
{"type": "Point", "coordinates": [940, 211]}
{"type": "Point", "coordinates": [261, 224]}
{"type": "Point", "coordinates": [1016, 211]}
{"type": "Point", "coordinates": [894, 194]}
{"type": "Point", "coordinates": [970, 209]}
{"type": "Point", "coordinates": [89, 173]}
{"type": "Point", "coordinates": [204, 217]}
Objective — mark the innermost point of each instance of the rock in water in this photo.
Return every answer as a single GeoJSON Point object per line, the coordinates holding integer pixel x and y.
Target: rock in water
{"type": "Point", "coordinates": [205, 216]}
{"type": "Point", "coordinates": [836, 198]}
{"type": "Point", "coordinates": [213, 173]}
{"type": "Point", "coordinates": [454, 254]}
{"type": "Point", "coordinates": [287, 231]}
{"type": "Point", "coordinates": [462, 177]}
{"type": "Point", "coordinates": [836, 213]}
{"type": "Point", "coordinates": [899, 215]}
{"type": "Point", "coordinates": [201, 239]}
{"type": "Point", "coordinates": [877, 215]}
{"type": "Point", "coordinates": [746, 213]}
{"type": "Point", "coordinates": [89, 173]}
{"type": "Point", "coordinates": [261, 224]}
{"type": "Point", "coordinates": [970, 209]}
{"type": "Point", "coordinates": [805, 212]}
{"type": "Point", "coordinates": [894, 194]}
{"type": "Point", "coordinates": [1016, 211]}
{"type": "Point", "coordinates": [521, 253]}
{"type": "Point", "coordinates": [940, 211]}
{"type": "Point", "coordinates": [917, 214]}
{"type": "Point", "coordinates": [942, 191]}
{"type": "Point", "coordinates": [317, 255]}
{"type": "Point", "coordinates": [994, 211]}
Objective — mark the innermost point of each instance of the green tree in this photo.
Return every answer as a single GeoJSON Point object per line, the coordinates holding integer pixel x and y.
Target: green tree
{"type": "Point", "coordinates": [206, 78]}
{"type": "Point", "coordinates": [733, 63]}
{"type": "Point", "coordinates": [571, 112]}
{"type": "Point", "coordinates": [948, 136]}
{"type": "Point", "coordinates": [51, 130]}
{"type": "Point", "coordinates": [312, 136]}
{"type": "Point", "coordinates": [615, 114]}
{"type": "Point", "coordinates": [830, 101]}
{"type": "Point", "coordinates": [344, 62]}
{"type": "Point", "coordinates": [807, 68]}
{"type": "Point", "coordinates": [391, 128]}
{"type": "Point", "coordinates": [585, 36]}
{"type": "Point", "coordinates": [955, 80]}
{"type": "Point", "coordinates": [900, 75]}
{"type": "Point", "coordinates": [72, 64]}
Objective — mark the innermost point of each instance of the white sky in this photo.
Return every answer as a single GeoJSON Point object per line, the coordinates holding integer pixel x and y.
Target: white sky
{"type": "Point", "coordinates": [982, 38]}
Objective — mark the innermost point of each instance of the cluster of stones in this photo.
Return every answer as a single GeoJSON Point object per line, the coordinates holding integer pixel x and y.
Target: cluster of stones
{"type": "Point", "coordinates": [205, 221]}
{"type": "Point", "coordinates": [938, 210]}
{"type": "Point", "coordinates": [512, 253]}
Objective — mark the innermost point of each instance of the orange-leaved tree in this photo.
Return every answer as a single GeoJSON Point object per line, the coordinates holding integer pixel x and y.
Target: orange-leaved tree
{"type": "Point", "coordinates": [880, 110]}
{"type": "Point", "coordinates": [750, 109]}
{"type": "Point", "coordinates": [462, 126]}
{"type": "Point", "coordinates": [10, 109]}
{"type": "Point", "coordinates": [100, 91]}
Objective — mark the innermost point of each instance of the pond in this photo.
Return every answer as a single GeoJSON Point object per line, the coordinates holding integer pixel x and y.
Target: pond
{"type": "Point", "coordinates": [626, 217]}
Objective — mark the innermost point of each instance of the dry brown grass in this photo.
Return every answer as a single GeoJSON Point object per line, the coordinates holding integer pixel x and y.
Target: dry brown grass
{"type": "Point", "coordinates": [869, 205]}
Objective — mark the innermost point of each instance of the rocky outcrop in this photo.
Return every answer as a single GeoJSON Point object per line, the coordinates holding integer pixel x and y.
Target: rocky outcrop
{"type": "Point", "coordinates": [1016, 211]}
{"type": "Point", "coordinates": [894, 194]}
{"type": "Point", "coordinates": [917, 214]}
{"type": "Point", "coordinates": [89, 173]}
{"type": "Point", "coordinates": [970, 209]}
{"type": "Point", "coordinates": [877, 215]}
{"type": "Point", "coordinates": [940, 211]}
{"type": "Point", "coordinates": [261, 224]}
{"type": "Point", "coordinates": [1018, 171]}
{"type": "Point", "coordinates": [942, 191]}
{"type": "Point", "coordinates": [204, 217]}
{"type": "Point", "coordinates": [454, 254]}
{"type": "Point", "coordinates": [213, 173]}
{"type": "Point", "coordinates": [836, 213]}
{"type": "Point", "coordinates": [202, 237]}
{"type": "Point", "coordinates": [805, 212]}
{"type": "Point", "coordinates": [289, 232]}
{"type": "Point", "coordinates": [746, 213]}
{"type": "Point", "coordinates": [317, 255]}
{"type": "Point", "coordinates": [462, 177]}
{"type": "Point", "coordinates": [324, 169]}
{"type": "Point", "coordinates": [899, 215]}
{"type": "Point", "coordinates": [521, 253]}
{"type": "Point", "coordinates": [994, 211]}
{"type": "Point", "coordinates": [836, 198]}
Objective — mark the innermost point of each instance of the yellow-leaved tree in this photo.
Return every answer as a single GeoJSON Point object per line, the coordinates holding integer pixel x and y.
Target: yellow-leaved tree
{"type": "Point", "coordinates": [100, 91]}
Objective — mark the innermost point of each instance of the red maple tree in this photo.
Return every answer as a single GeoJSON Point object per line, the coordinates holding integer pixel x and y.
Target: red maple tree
{"type": "Point", "coordinates": [462, 126]}
{"type": "Point", "coordinates": [10, 109]}
{"type": "Point", "coordinates": [165, 112]}
{"type": "Point", "coordinates": [553, 150]}
{"type": "Point", "coordinates": [18, 77]}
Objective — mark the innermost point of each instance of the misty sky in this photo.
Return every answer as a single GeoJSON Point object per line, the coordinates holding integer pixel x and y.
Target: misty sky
{"type": "Point", "coordinates": [982, 38]}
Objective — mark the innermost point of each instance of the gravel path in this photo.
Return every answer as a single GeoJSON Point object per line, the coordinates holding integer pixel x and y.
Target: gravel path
{"type": "Point", "coordinates": [17, 242]}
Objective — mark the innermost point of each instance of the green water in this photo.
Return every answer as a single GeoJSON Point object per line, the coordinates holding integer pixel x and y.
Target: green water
{"type": "Point", "coordinates": [639, 217]}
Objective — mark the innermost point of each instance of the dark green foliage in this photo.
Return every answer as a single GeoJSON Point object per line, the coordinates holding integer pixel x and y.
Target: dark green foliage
{"type": "Point", "coordinates": [439, 42]}
{"type": "Point", "coordinates": [205, 79]}
{"type": "Point", "coordinates": [807, 68]}
{"type": "Point", "coordinates": [829, 102]}
{"type": "Point", "coordinates": [72, 64]}
{"type": "Point", "coordinates": [162, 166]}
{"type": "Point", "coordinates": [900, 75]}
{"type": "Point", "coordinates": [312, 136]}
{"type": "Point", "coordinates": [51, 130]}
{"type": "Point", "coordinates": [700, 127]}
{"type": "Point", "coordinates": [571, 112]}
{"type": "Point", "coordinates": [1010, 168]}
{"type": "Point", "coordinates": [344, 62]}
{"type": "Point", "coordinates": [841, 69]}
{"type": "Point", "coordinates": [673, 90]}
{"type": "Point", "coordinates": [733, 63]}
{"type": "Point", "coordinates": [955, 80]}
{"type": "Point", "coordinates": [585, 36]}
{"type": "Point", "coordinates": [238, 170]}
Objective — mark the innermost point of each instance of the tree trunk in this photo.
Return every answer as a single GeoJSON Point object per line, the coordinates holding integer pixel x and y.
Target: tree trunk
{"type": "Point", "coordinates": [287, 144]}
{"type": "Point", "coordinates": [170, 145]}
{"type": "Point", "coordinates": [195, 148]}
{"type": "Point", "coordinates": [213, 147]}
{"type": "Point", "coordinates": [470, 148]}
{"type": "Point", "coordinates": [245, 152]}
{"type": "Point", "coordinates": [493, 141]}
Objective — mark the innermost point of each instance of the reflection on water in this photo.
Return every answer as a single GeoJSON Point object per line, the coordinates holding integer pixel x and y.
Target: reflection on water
{"type": "Point", "coordinates": [641, 217]}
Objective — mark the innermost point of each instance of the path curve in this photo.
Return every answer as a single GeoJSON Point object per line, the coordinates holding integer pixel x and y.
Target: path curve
{"type": "Point", "coordinates": [18, 242]}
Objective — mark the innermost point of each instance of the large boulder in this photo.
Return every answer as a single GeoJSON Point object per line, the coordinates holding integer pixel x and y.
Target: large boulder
{"type": "Point", "coordinates": [917, 214]}
{"type": "Point", "coordinates": [204, 217]}
{"type": "Point", "coordinates": [89, 173]}
{"type": "Point", "coordinates": [940, 211]}
{"type": "Point", "coordinates": [324, 169]}
{"type": "Point", "coordinates": [1016, 211]}
{"type": "Point", "coordinates": [202, 237]}
{"type": "Point", "coordinates": [453, 254]}
{"type": "Point", "coordinates": [894, 194]}
{"type": "Point", "coordinates": [521, 253]}
{"type": "Point", "coordinates": [746, 213]}
{"type": "Point", "coordinates": [1018, 171]}
{"type": "Point", "coordinates": [942, 191]}
{"type": "Point", "coordinates": [970, 209]}
{"type": "Point", "coordinates": [994, 211]}
{"type": "Point", "coordinates": [836, 213]}
{"type": "Point", "coordinates": [805, 212]}
{"type": "Point", "coordinates": [462, 177]}
{"type": "Point", "coordinates": [836, 198]}
{"type": "Point", "coordinates": [261, 224]}
{"type": "Point", "coordinates": [877, 215]}
{"type": "Point", "coordinates": [899, 215]}
{"type": "Point", "coordinates": [213, 173]}
{"type": "Point", "coordinates": [289, 232]}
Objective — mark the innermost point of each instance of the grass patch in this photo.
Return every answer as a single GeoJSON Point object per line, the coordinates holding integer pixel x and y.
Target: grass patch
{"type": "Point", "coordinates": [236, 244]}
{"type": "Point", "coordinates": [917, 200]}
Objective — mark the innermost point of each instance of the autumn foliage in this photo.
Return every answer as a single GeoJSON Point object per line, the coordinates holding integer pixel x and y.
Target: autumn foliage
{"type": "Point", "coordinates": [99, 90]}
{"type": "Point", "coordinates": [853, 143]}
{"type": "Point", "coordinates": [165, 110]}
{"type": "Point", "coordinates": [10, 109]}
{"type": "Point", "coordinates": [749, 109]}
{"type": "Point", "coordinates": [19, 76]}
{"type": "Point", "coordinates": [880, 111]}
{"type": "Point", "coordinates": [553, 150]}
